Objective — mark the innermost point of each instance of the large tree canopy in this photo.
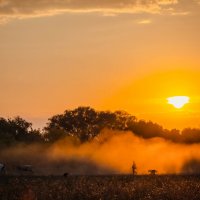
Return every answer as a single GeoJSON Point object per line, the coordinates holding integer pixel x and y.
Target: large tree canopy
{"type": "Point", "coordinates": [86, 123]}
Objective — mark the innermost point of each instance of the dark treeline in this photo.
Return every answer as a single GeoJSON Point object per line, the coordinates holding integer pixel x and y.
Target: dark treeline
{"type": "Point", "coordinates": [84, 124]}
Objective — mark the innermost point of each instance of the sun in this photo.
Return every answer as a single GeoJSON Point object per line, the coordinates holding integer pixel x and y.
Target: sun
{"type": "Point", "coordinates": [178, 101]}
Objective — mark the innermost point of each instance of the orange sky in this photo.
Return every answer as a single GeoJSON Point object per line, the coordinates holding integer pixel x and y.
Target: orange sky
{"type": "Point", "coordinates": [119, 54]}
{"type": "Point", "coordinates": [147, 96]}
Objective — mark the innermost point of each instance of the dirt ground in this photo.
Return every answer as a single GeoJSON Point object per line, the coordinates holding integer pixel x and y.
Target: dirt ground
{"type": "Point", "coordinates": [123, 187]}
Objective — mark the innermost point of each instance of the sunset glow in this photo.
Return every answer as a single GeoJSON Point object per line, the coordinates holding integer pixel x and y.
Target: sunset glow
{"type": "Point", "coordinates": [178, 101]}
{"type": "Point", "coordinates": [110, 55]}
{"type": "Point", "coordinates": [99, 90]}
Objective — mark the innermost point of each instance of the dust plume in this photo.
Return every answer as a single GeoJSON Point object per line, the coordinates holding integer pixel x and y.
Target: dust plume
{"type": "Point", "coordinates": [191, 166]}
{"type": "Point", "coordinates": [110, 152]}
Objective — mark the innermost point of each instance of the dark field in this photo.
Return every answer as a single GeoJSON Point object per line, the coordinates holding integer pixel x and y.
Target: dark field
{"type": "Point", "coordinates": [100, 187]}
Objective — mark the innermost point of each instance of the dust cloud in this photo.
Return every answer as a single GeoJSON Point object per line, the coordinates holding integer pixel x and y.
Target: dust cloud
{"type": "Point", "coordinates": [112, 152]}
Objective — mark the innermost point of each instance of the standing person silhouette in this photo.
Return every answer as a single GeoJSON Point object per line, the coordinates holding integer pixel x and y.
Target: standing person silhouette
{"type": "Point", "coordinates": [134, 168]}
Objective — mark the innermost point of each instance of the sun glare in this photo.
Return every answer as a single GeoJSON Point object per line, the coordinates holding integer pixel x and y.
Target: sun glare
{"type": "Point", "coordinates": [178, 101]}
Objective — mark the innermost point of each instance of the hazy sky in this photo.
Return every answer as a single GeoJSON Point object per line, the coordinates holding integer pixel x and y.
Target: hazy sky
{"type": "Point", "coordinates": [108, 54]}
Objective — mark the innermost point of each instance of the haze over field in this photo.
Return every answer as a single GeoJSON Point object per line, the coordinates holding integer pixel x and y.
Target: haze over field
{"type": "Point", "coordinates": [113, 154]}
{"type": "Point", "coordinates": [86, 141]}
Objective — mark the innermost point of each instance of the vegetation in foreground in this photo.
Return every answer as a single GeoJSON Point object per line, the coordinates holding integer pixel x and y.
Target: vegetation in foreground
{"type": "Point", "coordinates": [100, 187]}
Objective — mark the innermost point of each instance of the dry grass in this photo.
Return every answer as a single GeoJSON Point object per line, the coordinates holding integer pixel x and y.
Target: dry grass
{"type": "Point", "coordinates": [123, 187]}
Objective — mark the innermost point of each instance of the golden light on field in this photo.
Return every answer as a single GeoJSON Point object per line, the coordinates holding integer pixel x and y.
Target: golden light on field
{"type": "Point", "coordinates": [178, 101]}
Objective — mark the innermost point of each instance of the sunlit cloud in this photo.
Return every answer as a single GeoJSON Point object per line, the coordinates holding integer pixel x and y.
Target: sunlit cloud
{"type": "Point", "coordinates": [145, 21]}
{"type": "Point", "coordinates": [109, 14]}
{"type": "Point", "coordinates": [30, 8]}
{"type": "Point", "coordinates": [180, 13]}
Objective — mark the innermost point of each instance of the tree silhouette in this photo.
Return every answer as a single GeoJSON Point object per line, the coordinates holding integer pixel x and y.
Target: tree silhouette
{"type": "Point", "coordinates": [13, 131]}
{"type": "Point", "coordinates": [81, 123]}
{"type": "Point", "coordinates": [85, 123]}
